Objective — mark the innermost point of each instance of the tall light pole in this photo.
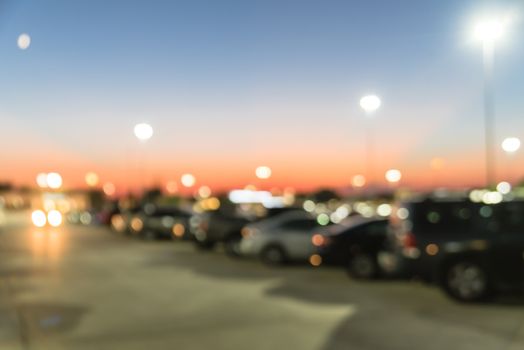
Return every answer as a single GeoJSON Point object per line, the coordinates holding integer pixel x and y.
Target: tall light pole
{"type": "Point", "coordinates": [143, 133]}
{"type": "Point", "coordinates": [370, 103]}
{"type": "Point", "coordinates": [488, 32]}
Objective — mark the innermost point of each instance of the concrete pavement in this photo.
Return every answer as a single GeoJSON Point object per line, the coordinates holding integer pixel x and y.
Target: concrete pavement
{"type": "Point", "coordinates": [87, 288]}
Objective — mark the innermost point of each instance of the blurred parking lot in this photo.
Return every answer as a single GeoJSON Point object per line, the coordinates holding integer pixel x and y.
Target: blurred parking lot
{"type": "Point", "coordinates": [85, 287]}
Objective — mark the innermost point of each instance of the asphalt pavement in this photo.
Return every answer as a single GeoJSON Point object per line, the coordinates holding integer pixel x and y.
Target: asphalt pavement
{"type": "Point", "coordinates": [84, 287]}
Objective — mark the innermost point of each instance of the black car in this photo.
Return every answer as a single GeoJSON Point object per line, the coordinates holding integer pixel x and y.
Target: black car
{"type": "Point", "coordinates": [354, 244]}
{"type": "Point", "coordinates": [161, 222]}
{"type": "Point", "coordinates": [470, 249]}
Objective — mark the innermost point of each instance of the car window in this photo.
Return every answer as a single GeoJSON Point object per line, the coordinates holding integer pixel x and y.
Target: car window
{"type": "Point", "coordinates": [510, 215]}
{"type": "Point", "coordinates": [446, 217]}
{"type": "Point", "coordinates": [300, 224]}
{"type": "Point", "coordinates": [376, 228]}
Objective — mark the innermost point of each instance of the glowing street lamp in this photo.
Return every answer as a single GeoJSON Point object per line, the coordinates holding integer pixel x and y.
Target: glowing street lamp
{"type": "Point", "coordinates": [263, 172]}
{"type": "Point", "coordinates": [54, 181]}
{"type": "Point", "coordinates": [488, 32]}
{"type": "Point", "coordinates": [393, 176]}
{"type": "Point", "coordinates": [370, 104]}
{"type": "Point", "coordinates": [188, 180]}
{"type": "Point", "coordinates": [23, 41]}
{"type": "Point", "coordinates": [510, 144]}
{"type": "Point", "coordinates": [41, 180]}
{"type": "Point", "coordinates": [143, 131]}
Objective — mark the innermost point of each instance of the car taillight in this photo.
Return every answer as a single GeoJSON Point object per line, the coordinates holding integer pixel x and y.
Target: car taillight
{"type": "Point", "coordinates": [245, 232]}
{"type": "Point", "coordinates": [409, 240]}
{"type": "Point", "coordinates": [319, 240]}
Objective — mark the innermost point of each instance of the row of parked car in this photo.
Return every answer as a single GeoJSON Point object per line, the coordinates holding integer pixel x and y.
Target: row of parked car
{"type": "Point", "coordinates": [471, 250]}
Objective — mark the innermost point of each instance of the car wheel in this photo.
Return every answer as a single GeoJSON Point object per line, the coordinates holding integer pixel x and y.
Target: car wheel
{"type": "Point", "coordinates": [466, 281]}
{"type": "Point", "coordinates": [232, 247]}
{"type": "Point", "coordinates": [363, 266]}
{"type": "Point", "coordinates": [273, 255]}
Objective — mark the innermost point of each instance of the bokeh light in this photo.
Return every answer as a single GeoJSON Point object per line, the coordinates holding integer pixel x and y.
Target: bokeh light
{"type": "Point", "coordinates": [504, 187]}
{"type": "Point", "coordinates": [489, 30]}
{"type": "Point", "coordinates": [109, 189]}
{"type": "Point", "coordinates": [54, 217]}
{"type": "Point", "coordinates": [54, 180]}
{"type": "Point", "coordinates": [38, 218]}
{"type": "Point", "coordinates": [393, 175]}
{"type": "Point", "coordinates": [143, 131]}
{"type": "Point", "coordinates": [24, 41]}
{"type": "Point", "coordinates": [41, 180]}
{"type": "Point", "coordinates": [188, 180]}
{"type": "Point", "coordinates": [358, 181]}
{"type": "Point", "coordinates": [204, 192]}
{"type": "Point", "coordinates": [370, 103]}
{"type": "Point", "coordinates": [510, 144]}
{"type": "Point", "coordinates": [91, 179]}
{"type": "Point", "coordinates": [263, 172]}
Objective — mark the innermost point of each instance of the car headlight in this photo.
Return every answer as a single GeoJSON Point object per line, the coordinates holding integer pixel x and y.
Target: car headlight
{"type": "Point", "coordinates": [39, 218]}
{"type": "Point", "coordinates": [54, 218]}
{"type": "Point", "coordinates": [179, 230]}
{"type": "Point", "coordinates": [137, 224]}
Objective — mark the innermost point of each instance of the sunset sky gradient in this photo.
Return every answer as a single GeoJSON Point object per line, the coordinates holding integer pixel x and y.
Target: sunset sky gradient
{"type": "Point", "coordinates": [231, 85]}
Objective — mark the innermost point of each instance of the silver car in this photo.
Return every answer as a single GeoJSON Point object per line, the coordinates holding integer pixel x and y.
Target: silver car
{"type": "Point", "coordinates": [283, 238]}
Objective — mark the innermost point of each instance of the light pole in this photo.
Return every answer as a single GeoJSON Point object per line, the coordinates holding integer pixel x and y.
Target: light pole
{"type": "Point", "coordinates": [370, 103]}
{"type": "Point", "coordinates": [488, 32]}
{"type": "Point", "coordinates": [143, 133]}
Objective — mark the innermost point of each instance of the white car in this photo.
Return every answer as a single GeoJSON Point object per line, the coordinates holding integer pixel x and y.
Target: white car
{"type": "Point", "coordinates": [283, 238]}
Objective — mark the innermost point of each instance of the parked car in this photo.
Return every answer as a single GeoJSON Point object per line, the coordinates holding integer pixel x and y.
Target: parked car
{"type": "Point", "coordinates": [210, 228]}
{"type": "Point", "coordinates": [283, 238]}
{"type": "Point", "coordinates": [354, 243]}
{"type": "Point", "coordinates": [161, 222]}
{"type": "Point", "coordinates": [471, 250]}
{"type": "Point", "coordinates": [121, 220]}
{"type": "Point", "coordinates": [109, 209]}
{"type": "Point", "coordinates": [224, 226]}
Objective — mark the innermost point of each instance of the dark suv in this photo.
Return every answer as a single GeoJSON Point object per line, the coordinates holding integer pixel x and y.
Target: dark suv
{"type": "Point", "coordinates": [470, 249]}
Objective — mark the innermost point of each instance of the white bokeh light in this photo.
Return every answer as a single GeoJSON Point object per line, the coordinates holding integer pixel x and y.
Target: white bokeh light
{"type": "Point", "coordinates": [143, 131]}
{"type": "Point", "coordinates": [188, 180]}
{"type": "Point", "coordinates": [393, 175]}
{"type": "Point", "coordinates": [41, 180]}
{"type": "Point", "coordinates": [510, 144]}
{"type": "Point", "coordinates": [504, 187]}
{"type": "Point", "coordinates": [263, 172]}
{"type": "Point", "coordinates": [54, 180]}
{"type": "Point", "coordinates": [54, 217]}
{"type": "Point", "coordinates": [39, 219]}
{"type": "Point", "coordinates": [489, 30]}
{"type": "Point", "coordinates": [23, 42]}
{"type": "Point", "coordinates": [370, 103]}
